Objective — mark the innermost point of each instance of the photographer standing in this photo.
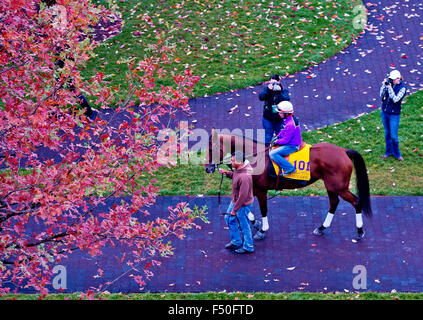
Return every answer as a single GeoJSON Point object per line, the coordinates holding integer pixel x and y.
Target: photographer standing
{"type": "Point", "coordinates": [272, 95]}
{"type": "Point", "coordinates": [392, 92]}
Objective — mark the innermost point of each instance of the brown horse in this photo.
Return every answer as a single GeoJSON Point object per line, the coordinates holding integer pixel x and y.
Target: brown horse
{"type": "Point", "coordinates": [332, 164]}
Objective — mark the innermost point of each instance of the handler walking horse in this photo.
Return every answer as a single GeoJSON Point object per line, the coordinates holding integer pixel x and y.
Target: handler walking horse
{"type": "Point", "coordinates": [332, 164]}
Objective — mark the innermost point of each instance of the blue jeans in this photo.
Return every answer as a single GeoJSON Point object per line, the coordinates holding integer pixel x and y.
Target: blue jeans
{"type": "Point", "coordinates": [391, 125]}
{"type": "Point", "coordinates": [278, 155]}
{"type": "Point", "coordinates": [270, 128]}
{"type": "Point", "coordinates": [239, 227]}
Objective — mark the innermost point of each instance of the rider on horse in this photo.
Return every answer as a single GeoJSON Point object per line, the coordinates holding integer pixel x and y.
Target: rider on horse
{"type": "Point", "coordinates": [288, 139]}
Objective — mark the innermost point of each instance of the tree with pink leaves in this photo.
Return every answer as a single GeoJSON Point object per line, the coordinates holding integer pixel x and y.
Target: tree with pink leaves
{"type": "Point", "coordinates": [40, 110]}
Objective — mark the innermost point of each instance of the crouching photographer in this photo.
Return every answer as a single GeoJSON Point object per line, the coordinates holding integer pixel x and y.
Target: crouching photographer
{"type": "Point", "coordinates": [392, 93]}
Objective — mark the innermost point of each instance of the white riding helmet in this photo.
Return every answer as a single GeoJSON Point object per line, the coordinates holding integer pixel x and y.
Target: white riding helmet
{"type": "Point", "coordinates": [395, 74]}
{"type": "Point", "coordinates": [285, 107]}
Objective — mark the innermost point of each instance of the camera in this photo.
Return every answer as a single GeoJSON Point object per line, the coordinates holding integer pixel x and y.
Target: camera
{"type": "Point", "coordinates": [388, 82]}
{"type": "Point", "coordinates": [276, 84]}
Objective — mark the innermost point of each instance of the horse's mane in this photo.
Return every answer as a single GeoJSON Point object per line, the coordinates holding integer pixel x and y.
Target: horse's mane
{"type": "Point", "coordinates": [238, 136]}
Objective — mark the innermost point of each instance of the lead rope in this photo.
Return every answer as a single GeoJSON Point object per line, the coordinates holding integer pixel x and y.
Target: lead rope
{"type": "Point", "coordinates": [277, 192]}
{"type": "Point", "coordinates": [218, 195]}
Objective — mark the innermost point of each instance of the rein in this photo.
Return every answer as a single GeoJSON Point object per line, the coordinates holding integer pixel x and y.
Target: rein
{"type": "Point", "coordinates": [221, 181]}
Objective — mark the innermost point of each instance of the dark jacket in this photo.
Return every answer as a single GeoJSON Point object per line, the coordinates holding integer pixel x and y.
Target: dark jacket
{"type": "Point", "coordinates": [242, 186]}
{"type": "Point", "coordinates": [270, 98]}
{"type": "Point", "coordinates": [392, 98]}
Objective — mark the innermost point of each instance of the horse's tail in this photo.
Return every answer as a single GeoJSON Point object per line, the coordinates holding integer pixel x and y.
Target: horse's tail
{"type": "Point", "coordinates": [362, 181]}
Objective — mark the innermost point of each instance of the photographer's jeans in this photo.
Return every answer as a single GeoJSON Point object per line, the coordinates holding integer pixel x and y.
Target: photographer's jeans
{"type": "Point", "coordinates": [239, 227]}
{"type": "Point", "coordinates": [391, 125]}
{"type": "Point", "coordinates": [270, 128]}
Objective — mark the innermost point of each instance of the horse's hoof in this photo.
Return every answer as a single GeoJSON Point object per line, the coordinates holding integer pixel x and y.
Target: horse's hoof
{"type": "Point", "coordinates": [360, 235]}
{"type": "Point", "coordinates": [260, 235]}
{"type": "Point", "coordinates": [257, 225]}
{"type": "Point", "coordinates": [318, 232]}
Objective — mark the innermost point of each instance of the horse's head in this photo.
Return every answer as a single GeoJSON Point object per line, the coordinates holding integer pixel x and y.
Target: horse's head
{"type": "Point", "coordinates": [227, 143]}
{"type": "Point", "coordinates": [210, 168]}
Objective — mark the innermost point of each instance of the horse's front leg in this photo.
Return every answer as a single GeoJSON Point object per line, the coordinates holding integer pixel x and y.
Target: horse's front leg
{"type": "Point", "coordinates": [333, 201]}
{"type": "Point", "coordinates": [263, 225]}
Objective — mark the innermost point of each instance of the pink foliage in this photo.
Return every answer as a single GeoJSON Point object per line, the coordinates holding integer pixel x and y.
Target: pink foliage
{"type": "Point", "coordinates": [38, 109]}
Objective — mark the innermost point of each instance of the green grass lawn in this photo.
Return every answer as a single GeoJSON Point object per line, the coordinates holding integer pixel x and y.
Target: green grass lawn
{"type": "Point", "coordinates": [230, 44]}
{"type": "Point", "coordinates": [364, 134]}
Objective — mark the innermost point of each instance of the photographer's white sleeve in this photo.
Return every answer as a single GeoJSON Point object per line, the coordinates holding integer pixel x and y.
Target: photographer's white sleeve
{"type": "Point", "coordinates": [398, 97]}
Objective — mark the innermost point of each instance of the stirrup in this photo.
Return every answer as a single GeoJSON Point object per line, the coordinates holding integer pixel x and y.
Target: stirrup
{"type": "Point", "coordinates": [284, 174]}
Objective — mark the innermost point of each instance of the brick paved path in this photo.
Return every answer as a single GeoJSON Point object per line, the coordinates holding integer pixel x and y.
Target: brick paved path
{"type": "Point", "coordinates": [291, 258]}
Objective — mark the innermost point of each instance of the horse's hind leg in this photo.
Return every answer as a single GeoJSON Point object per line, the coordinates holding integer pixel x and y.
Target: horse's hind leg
{"type": "Point", "coordinates": [261, 226]}
{"type": "Point", "coordinates": [353, 199]}
{"type": "Point", "coordinates": [334, 201]}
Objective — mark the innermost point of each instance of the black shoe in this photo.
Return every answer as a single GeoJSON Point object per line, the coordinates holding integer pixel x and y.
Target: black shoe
{"type": "Point", "coordinates": [242, 251]}
{"type": "Point", "coordinates": [231, 246]}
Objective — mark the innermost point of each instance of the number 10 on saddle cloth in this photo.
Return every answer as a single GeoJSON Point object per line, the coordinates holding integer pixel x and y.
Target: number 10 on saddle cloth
{"type": "Point", "coordinates": [301, 161]}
